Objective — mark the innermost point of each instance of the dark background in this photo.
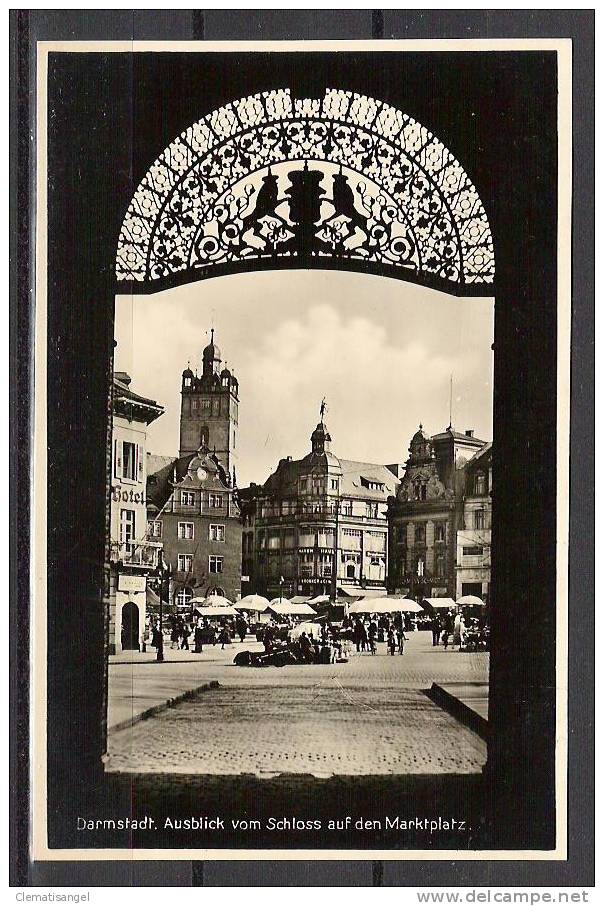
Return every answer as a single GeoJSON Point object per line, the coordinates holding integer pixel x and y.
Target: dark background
{"type": "Point", "coordinates": [109, 117]}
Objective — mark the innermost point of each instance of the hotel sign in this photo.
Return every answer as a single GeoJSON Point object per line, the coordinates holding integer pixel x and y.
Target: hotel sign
{"type": "Point", "coordinates": [127, 495]}
{"type": "Point", "coordinates": [131, 583]}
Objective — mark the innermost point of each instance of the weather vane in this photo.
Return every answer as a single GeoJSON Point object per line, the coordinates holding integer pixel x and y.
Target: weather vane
{"type": "Point", "coordinates": [323, 408]}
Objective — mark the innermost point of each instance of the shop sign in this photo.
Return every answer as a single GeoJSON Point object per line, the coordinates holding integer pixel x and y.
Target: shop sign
{"type": "Point", "coordinates": [131, 583]}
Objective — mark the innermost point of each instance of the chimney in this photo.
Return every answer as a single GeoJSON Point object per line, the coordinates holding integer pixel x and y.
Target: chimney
{"type": "Point", "coordinates": [469, 432]}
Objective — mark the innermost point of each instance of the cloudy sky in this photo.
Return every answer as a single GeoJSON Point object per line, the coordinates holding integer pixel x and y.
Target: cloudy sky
{"type": "Point", "coordinates": [380, 351]}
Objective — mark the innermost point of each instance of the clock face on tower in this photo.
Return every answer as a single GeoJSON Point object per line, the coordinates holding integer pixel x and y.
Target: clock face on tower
{"type": "Point", "coordinates": [201, 474]}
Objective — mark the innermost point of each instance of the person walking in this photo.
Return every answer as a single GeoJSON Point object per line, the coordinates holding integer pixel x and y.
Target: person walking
{"type": "Point", "coordinates": [372, 637]}
{"type": "Point", "coordinates": [186, 632]}
{"type": "Point", "coordinates": [225, 637]}
{"type": "Point", "coordinates": [436, 629]}
{"type": "Point", "coordinates": [392, 640]}
{"type": "Point", "coordinates": [401, 638]}
{"type": "Point", "coordinates": [198, 636]}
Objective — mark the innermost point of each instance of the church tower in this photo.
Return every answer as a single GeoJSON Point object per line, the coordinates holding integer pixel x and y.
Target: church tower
{"type": "Point", "coordinates": [209, 409]}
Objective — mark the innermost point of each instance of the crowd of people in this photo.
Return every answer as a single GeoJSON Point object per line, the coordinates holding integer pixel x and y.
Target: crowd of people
{"type": "Point", "coordinates": [328, 642]}
{"type": "Point", "coordinates": [193, 631]}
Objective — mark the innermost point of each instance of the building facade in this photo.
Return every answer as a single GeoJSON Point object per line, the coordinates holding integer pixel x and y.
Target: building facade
{"type": "Point", "coordinates": [318, 524]}
{"type": "Point", "coordinates": [424, 516]}
{"type": "Point", "coordinates": [474, 532]}
{"type": "Point", "coordinates": [133, 557]}
{"type": "Point", "coordinates": [209, 411]}
{"type": "Point", "coordinates": [193, 510]}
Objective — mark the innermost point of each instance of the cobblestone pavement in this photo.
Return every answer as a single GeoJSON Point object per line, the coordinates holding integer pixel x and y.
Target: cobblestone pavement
{"type": "Point", "coordinates": [368, 716]}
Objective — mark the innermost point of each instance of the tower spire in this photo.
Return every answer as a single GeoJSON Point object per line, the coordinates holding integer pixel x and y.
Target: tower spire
{"type": "Point", "coordinates": [450, 402]}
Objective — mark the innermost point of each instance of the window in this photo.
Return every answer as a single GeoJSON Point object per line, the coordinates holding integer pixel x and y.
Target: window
{"type": "Point", "coordinates": [274, 542]}
{"type": "Point", "coordinates": [127, 462]}
{"type": "Point", "coordinates": [439, 531]}
{"type": "Point", "coordinates": [187, 498]}
{"type": "Point", "coordinates": [473, 551]}
{"type": "Point", "coordinates": [347, 508]}
{"type": "Point", "coordinates": [420, 533]}
{"type": "Point", "coordinates": [183, 596]}
{"type": "Point", "coordinates": [194, 404]}
{"type": "Point", "coordinates": [154, 529]}
{"type": "Point", "coordinates": [186, 531]}
{"type": "Point", "coordinates": [303, 484]}
{"type": "Point", "coordinates": [480, 484]}
{"type": "Point", "coordinates": [206, 405]}
{"type": "Point", "coordinates": [215, 501]}
{"type": "Point", "coordinates": [334, 484]}
{"type": "Point", "coordinates": [216, 564]}
{"type": "Point", "coordinates": [127, 523]}
{"type": "Point", "coordinates": [376, 561]}
{"type": "Point", "coordinates": [479, 519]}
{"type": "Point", "coordinates": [216, 532]}
{"type": "Point", "coordinates": [350, 571]}
{"type": "Point", "coordinates": [217, 590]}
{"type": "Point", "coordinates": [372, 510]}
{"type": "Point", "coordinates": [185, 563]}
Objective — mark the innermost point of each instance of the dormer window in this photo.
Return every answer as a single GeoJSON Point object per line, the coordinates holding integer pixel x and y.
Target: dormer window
{"type": "Point", "coordinates": [372, 484]}
{"type": "Point", "coordinates": [480, 484]}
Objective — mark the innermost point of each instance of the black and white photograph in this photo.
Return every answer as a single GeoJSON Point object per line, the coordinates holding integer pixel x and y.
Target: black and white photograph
{"type": "Point", "coordinates": [301, 450]}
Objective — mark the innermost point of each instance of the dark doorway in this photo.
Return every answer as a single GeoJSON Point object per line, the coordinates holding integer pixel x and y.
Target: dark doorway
{"type": "Point", "coordinates": [472, 588]}
{"type": "Point", "coordinates": [130, 627]}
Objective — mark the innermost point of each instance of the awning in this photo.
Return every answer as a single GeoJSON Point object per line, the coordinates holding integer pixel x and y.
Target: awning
{"type": "Point", "coordinates": [440, 603]}
{"type": "Point", "coordinates": [320, 599]}
{"type": "Point", "coordinates": [313, 629]}
{"type": "Point", "coordinates": [354, 591]}
{"type": "Point", "coordinates": [299, 599]}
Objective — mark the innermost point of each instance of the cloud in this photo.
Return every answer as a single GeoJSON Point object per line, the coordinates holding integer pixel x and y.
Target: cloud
{"type": "Point", "coordinates": [379, 350]}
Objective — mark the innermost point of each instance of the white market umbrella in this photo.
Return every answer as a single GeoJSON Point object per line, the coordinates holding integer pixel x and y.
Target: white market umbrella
{"type": "Point", "coordinates": [253, 602]}
{"type": "Point", "coordinates": [389, 604]}
{"type": "Point", "coordinates": [217, 601]}
{"type": "Point", "coordinates": [470, 601]}
{"type": "Point", "coordinates": [220, 610]}
{"type": "Point", "coordinates": [287, 609]}
{"type": "Point", "coordinates": [308, 628]}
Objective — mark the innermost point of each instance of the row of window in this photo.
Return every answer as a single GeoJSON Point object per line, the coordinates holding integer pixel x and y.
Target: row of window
{"type": "Point", "coordinates": [189, 498]}
{"type": "Point", "coordinates": [185, 563]}
{"type": "Point", "coordinates": [186, 530]}
{"type": "Point", "coordinates": [369, 509]}
{"type": "Point", "coordinates": [418, 532]}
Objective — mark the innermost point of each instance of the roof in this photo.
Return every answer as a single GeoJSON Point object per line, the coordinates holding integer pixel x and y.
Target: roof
{"type": "Point", "coordinates": [473, 460]}
{"type": "Point", "coordinates": [457, 435]}
{"type": "Point", "coordinates": [129, 404]}
{"type": "Point", "coordinates": [284, 480]}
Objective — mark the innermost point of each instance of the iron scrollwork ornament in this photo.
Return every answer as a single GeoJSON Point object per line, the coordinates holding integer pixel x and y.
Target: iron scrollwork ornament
{"type": "Point", "coordinates": [343, 177]}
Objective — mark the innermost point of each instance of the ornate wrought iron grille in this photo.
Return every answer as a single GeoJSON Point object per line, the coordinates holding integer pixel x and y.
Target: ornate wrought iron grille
{"type": "Point", "coordinates": [269, 176]}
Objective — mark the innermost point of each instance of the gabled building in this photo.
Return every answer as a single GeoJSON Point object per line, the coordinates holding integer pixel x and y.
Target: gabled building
{"type": "Point", "coordinates": [133, 557]}
{"type": "Point", "coordinates": [424, 516]}
{"type": "Point", "coordinates": [192, 510]}
{"type": "Point", "coordinates": [474, 531]}
{"type": "Point", "coordinates": [318, 524]}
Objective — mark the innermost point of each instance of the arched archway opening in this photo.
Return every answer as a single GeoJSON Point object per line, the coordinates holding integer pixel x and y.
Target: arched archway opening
{"type": "Point", "coordinates": [130, 627]}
